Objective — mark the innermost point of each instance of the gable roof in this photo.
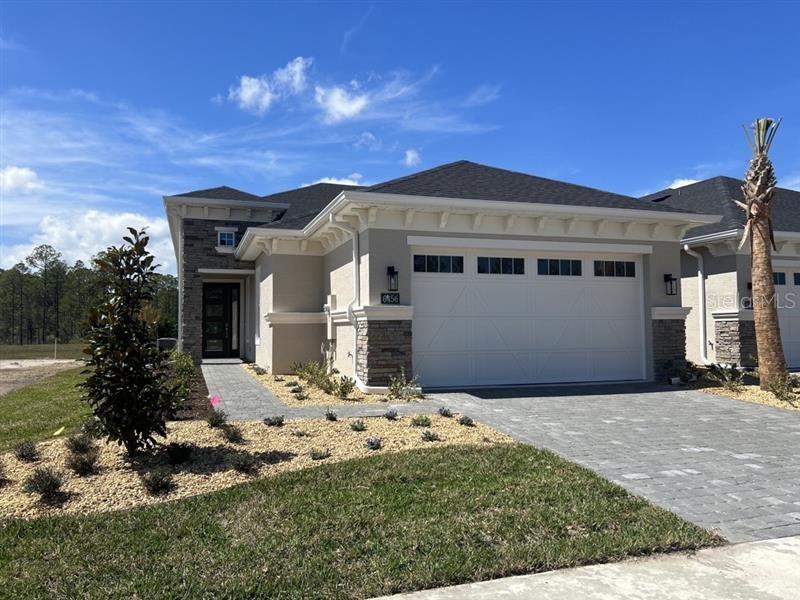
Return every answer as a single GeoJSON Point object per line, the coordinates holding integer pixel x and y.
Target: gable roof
{"type": "Point", "coordinates": [222, 192]}
{"type": "Point", "coordinates": [472, 181]}
{"type": "Point", "coordinates": [717, 195]}
{"type": "Point", "coordinates": [304, 203]}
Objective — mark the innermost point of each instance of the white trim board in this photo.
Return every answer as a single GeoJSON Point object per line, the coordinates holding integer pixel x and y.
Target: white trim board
{"type": "Point", "coordinates": [462, 242]}
{"type": "Point", "coordinates": [227, 271]}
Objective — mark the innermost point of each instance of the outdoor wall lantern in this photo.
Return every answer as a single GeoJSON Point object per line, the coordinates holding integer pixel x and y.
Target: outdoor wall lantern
{"type": "Point", "coordinates": [392, 276]}
{"type": "Point", "coordinates": [671, 284]}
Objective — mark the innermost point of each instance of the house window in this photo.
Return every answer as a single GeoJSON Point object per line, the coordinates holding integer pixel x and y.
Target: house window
{"type": "Point", "coordinates": [614, 268]}
{"type": "Point", "coordinates": [226, 238]}
{"type": "Point", "coordinates": [797, 278]}
{"type": "Point", "coordinates": [501, 265]}
{"type": "Point", "coordinates": [780, 278]}
{"type": "Point", "coordinates": [559, 266]}
{"type": "Point", "coordinates": [434, 263]}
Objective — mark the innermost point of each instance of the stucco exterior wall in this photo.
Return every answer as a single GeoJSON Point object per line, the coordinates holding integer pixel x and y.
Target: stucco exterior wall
{"type": "Point", "coordinates": [343, 357]}
{"type": "Point", "coordinates": [295, 343]}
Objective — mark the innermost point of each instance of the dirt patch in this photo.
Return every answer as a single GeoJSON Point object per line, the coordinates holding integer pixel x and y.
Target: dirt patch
{"type": "Point", "coordinates": [275, 450]}
{"type": "Point", "coordinates": [15, 374]}
{"type": "Point", "coordinates": [196, 406]}
{"type": "Point", "coordinates": [751, 393]}
{"type": "Point", "coordinates": [281, 384]}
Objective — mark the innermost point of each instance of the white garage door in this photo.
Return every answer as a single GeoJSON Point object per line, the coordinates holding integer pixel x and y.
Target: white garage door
{"type": "Point", "coordinates": [496, 317]}
{"type": "Point", "coordinates": [787, 286]}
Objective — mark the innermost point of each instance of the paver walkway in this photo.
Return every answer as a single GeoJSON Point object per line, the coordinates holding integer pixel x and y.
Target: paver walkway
{"type": "Point", "coordinates": [726, 465]}
{"type": "Point", "coordinates": [764, 570]}
{"type": "Point", "coordinates": [245, 399]}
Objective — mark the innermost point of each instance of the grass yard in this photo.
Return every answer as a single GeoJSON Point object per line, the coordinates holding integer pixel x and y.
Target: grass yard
{"type": "Point", "coordinates": [354, 529]}
{"type": "Point", "coordinates": [36, 411]}
{"type": "Point", "coordinates": [13, 351]}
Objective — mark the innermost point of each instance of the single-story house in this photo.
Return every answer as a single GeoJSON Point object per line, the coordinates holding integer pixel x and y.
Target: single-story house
{"type": "Point", "coordinates": [463, 275]}
{"type": "Point", "coordinates": [715, 274]}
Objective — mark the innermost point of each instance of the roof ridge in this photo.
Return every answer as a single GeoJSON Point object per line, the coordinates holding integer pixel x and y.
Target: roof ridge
{"type": "Point", "coordinates": [377, 186]}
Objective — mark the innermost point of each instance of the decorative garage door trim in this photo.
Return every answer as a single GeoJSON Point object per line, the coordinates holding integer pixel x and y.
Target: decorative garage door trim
{"type": "Point", "coordinates": [500, 244]}
{"type": "Point", "coordinates": [486, 329]}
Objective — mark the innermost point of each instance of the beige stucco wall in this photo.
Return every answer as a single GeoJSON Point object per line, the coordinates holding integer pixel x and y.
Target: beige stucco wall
{"type": "Point", "coordinates": [295, 343]}
{"type": "Point", "coordinates": [722, 283]}
{"type": "Point", "coordinates": [343, 357]}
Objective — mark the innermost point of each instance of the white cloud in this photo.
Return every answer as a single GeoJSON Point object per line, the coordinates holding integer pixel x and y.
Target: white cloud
{"type": "Point", "coordinates": [82, 234]}
{"type": "Point", "coordinates": [368, 140]}
{"type": "Point", "coordinates": [352, 179]}
{"type": "Point", "coordinates": [338, 104]}
{"type": "Point", "coordinates": [19, 179]}
{"type": "Point", "coordinates": [483, 94]}
{"type": "Point", "coordinates": [257, 94]}
{"type": "Point", "coordinates": [676, 183]}
{"type": "Point", "coordinates": [411, 158]}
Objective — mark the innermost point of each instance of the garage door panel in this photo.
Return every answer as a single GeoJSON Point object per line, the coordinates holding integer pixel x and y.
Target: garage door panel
{"type": "Point", "coordinates": [480, 329]}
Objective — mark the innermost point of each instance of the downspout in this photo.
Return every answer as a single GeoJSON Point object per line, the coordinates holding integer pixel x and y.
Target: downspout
{"type": "Point", "coordinates": [701, 293]}
{"type": "Point", "coordinates": [356, 301]}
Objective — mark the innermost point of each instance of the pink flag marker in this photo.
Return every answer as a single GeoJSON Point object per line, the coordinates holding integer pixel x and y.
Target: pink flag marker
{"type": "Point", "coordinates": [215, 399]}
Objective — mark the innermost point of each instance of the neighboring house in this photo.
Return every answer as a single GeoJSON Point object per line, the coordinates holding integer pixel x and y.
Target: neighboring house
{"type": "Point", "coordinates": [463, 274]}
{"type": "Point", "coordinates": [720, 328]}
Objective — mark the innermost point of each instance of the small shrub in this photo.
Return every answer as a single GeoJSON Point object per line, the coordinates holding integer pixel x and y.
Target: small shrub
{"type": "Point", "coordinates": [320, 454]}
{"type": "Point", "coordinates": [430, 436]}
{"type": "Point", "coordinates": [243, 462]}
{"type": "Point", "coordinates": [728, 377]}
{"type": "Point", "coordinates": [373, 443]}
{"type": "Point", "coordinates": [84, 463]}
{"type": "Point", "coordinates": [290, 384]}
{"type": "Point", "coordinates": [183, 373]}
{"type": "Point", "coordinates": [466, 421]}
{"type": "Point", "coordinates": [92, 427]}
{"type": "Point", "coordinates": [26, 452]}
{"type": "Point", "coordinates": [216, 418]}
{"type": "Point", "coordinates": [301, 433]}
{"type": "Point", "coordinates": [358, 425]}
{"type": "Point", "coordinates": [178, 453]}
{"type": "Point", "coordinates": [158, 482]}
{"type": "Point", "coordinates": [79, 444]}
{"type": "Point", "coordinates": [391, 415]}
{"type": "Point", "coordinates": [298, 389]}
{"type": "Point", "coordinates": [401, 388]}
{"type": "Point", "coordinates": [783, 388]}
{"type": "Point", "coordinates": [274, 421]}
{"type": "Point", "coordinates": [421, 421]}
{"type": "Point", "coordinates": [279, 379]}
{"type": "Point", "coordinates": [46, 482]}
{"type": "Point", "coordinates": [232, 433]}
{"type": "Point", "coordinates": [345, 387]}
{"type": "Point", "coordinates": [445, 412]}
{"type": "Point", "coordinates": [259, 370]}
{"type": "Point", "coordinates": [301, 396]}
{"type": "Point", "coordinates": [331, 415]}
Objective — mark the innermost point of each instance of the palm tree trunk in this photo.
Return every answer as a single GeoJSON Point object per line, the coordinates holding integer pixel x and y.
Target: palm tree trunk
{"type": "Point", "coordinates": [771, 361]}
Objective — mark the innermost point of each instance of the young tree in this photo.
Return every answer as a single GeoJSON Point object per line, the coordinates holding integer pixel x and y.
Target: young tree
{"type": "Point", "coordinates": [128, 381]}
{"type": "Point", "coordinates": [758, 189]}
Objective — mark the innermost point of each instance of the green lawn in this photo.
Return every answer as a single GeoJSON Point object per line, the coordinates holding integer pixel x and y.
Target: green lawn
{"type": "Point", "coordinates": [36, 411]}
{"type": "Point", "coordinates": [8, 351]}
{"type": "Point", "coordinates": [388, 523]}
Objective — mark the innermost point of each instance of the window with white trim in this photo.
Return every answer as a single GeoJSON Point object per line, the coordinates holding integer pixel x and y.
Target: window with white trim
{"type": "Point", "coordinates": [435, 263]}
{"type": "Point", "coordinates": [226, 239]}
{"type": "Point", "coordinates": [559, 266]}
{"type": "Point", "coordinates": [779, 278]}
{"type": "Point", "coordinates": [501, 265]}
{"type": "Point", "coordinates": [797, 278]}
{"type": "Point", "coordinates": [614, 268]}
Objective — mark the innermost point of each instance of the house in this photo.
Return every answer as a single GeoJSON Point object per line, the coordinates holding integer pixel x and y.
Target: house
{"type": "Point", "coordinates": [716, 278]}
{"type": "Point", "coordinates": [464, 275]}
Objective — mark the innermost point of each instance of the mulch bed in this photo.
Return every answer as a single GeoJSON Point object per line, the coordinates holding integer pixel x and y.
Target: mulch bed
{"type": "Point", "coordinates": [196, 406]}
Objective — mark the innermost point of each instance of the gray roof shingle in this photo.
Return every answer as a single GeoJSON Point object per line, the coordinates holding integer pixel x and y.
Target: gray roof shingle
{"type": "Point", "coordinates": [467, 180]}
{"type": "Point", "coordinates": [717, 195]}
{"type": "Point", "coordinates": [222, 192]}
{"type": "Point", "coordinates": [304, 203]}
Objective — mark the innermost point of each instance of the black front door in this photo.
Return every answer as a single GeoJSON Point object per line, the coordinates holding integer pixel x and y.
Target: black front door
{"type": "Point", "coordinates": [220, 320]}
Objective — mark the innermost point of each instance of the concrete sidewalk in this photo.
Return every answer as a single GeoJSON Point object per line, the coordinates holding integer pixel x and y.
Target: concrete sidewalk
{"type": "Point", "coordinates": [765, 570]}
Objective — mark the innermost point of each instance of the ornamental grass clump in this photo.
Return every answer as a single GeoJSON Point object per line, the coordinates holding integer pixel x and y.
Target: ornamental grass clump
{"type": "Point", "coordinates": [345, 387]}
{"type": "Point", "coordinates": [84, 463]}
{"type": "Point", "coordinates": [243, 462]}
{"type": "Point", "coordinates": [421, 421]}
{"type": "Point", "coordinates": [358, 425]}
{"type": "Point", "coordinates": [391, 415]}
{"type": "Point", "coordinates": [129, 385]}
{"type": "Point", "coordinates": [79, 443]}
{"type": "Point", "coordinates": [216, 419]}
{"type": "Point", "coordinates": [466, 421]}
{"type": "Point", "coordinates": [47, 483]}
{"type": "Point", "coordinates": [158, 482]}
{"type": "Point", "coordinates": [430, 436]}
{"type": "Point", "coordinates": [445, 412]}
{"type": "Point", "coordinates": [374, 443]}
{"type": "Point", "coordinates": [317, 454]}
{"type": "Point", "coordinates": [232, 433]}
{"type": "Point", "coordinates": [26, 452]}
{"type": "Point", "coordinates": [276, 421]}
{"type": "Point", "coordinates": [331, 415]}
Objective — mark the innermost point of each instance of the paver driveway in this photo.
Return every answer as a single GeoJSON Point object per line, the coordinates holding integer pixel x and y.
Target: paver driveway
{"type": "Point", "coordinates": [726, 465]}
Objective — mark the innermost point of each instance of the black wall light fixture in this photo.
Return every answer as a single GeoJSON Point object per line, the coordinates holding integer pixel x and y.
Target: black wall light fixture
{"type": "Point", "coordinates": [392, 276]}
{"type": "Point", "coordinates": [671, 284]}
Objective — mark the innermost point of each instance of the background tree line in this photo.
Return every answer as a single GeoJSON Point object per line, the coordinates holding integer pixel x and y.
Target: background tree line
{"type": "Point", "coordinates": [43, 298]}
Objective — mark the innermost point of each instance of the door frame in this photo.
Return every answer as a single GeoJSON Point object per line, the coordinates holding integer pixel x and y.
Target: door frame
{"type": "Point", "coordinates": [229, 351]}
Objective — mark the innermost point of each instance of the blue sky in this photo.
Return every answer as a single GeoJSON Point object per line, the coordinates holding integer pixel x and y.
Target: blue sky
{"type": "Point", "coordinates": [106, 107]}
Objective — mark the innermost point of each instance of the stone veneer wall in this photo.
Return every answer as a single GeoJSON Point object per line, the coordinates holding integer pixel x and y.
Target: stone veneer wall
{"type": "Point", "coordinates": [384, 347]}
{"type": "Point", "coordinates": [736, 342]}
{"type": "Point", "coordinates": [669, 348]}
{"type": "Point", "coordinates": [200, 252]}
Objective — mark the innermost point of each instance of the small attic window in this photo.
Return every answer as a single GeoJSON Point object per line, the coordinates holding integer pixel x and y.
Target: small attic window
{"type": "Point", "coordinates": [661, 199]}
{"type": "Point", "coordinates": [226, 239]}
